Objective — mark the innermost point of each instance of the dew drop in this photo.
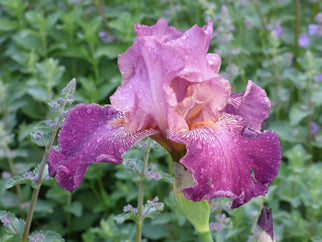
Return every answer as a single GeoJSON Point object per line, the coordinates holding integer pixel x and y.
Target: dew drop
{"type": "Point", "coordinates": [88, 111]}
{"type": "Point", "coordinates": [99, 140]}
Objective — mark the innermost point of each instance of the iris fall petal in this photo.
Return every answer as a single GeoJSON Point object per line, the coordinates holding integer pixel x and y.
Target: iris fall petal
{"type": "Point", "coordinates": [224, 163]}
{"type": "Point", "coordinates": [86, 137]}
{"type": "Point", "coordinates": [252, 104]}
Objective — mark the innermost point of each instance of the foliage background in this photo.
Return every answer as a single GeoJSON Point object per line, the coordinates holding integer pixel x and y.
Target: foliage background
{"type": "Point", "coordinates": [44, 44]}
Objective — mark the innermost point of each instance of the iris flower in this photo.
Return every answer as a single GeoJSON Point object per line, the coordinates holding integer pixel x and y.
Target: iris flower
{"type": "Point", "coordinates": [172, 92]}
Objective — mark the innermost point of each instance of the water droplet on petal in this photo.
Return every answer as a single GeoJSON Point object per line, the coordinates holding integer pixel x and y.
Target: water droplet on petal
{"type": "Point", "coordinates": [88, 111]}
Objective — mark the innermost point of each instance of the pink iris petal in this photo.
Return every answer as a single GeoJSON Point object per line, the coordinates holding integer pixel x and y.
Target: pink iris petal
{"type": "Point", "coordinates": [252, 104]}
{"type": "Point", "coordinates": [158, 67]}
{"type": "Point", "coordinates": [144, 67]}
{"type": "Point", "coordinates": [86, 137]}
{"type": "Point", "coordinates": [222, 160]}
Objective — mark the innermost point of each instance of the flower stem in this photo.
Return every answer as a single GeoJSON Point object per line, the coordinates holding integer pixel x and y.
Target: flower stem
{"type": "Point", "coordinates": [39, 181]}
{"type": "Point", "coordinates": [141, 195]}
{"type": "Point", "coordinates": [260, 14]}
{"type": "Point", "coordinates": [206, 236]}
{"type": "Point", "coordinates": [297, 33]}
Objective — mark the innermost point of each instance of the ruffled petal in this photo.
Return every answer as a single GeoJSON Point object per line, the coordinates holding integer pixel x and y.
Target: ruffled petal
{"type": "Point", "coordinates": [144, 68]}
{"type": "Point", "coordinates": [224, 163]}
{"type": "Point", "coordinates": [252, 104]}
{"type": "Point", "coordinates": [154, 66]}
{"type": "Point", "coordinates": [89, 136]}
{"type": "Point", "coordinates": [160, 28]}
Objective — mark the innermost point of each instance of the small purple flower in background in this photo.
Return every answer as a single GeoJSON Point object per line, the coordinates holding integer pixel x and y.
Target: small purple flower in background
{"type": "Point", "coordinates": [6, 175]}
{"type": "Point", "coordinates": [316, 29]}
{"type": "Point", "coordinates": [106, 37]}
{"type": "Point", "coordinates": [248, 23]}
{"type": "Point", "coordinates": [318, 78]}
{"type": "Point", "coordinates": [221, 220]}
{"type": "Point", "coordinates": [275, 27]}
{"type": "Point", "coordinates": [152, 174]}
{"type": "Point", "coordinates": [6, 220]}
{"type": "Point", "coordinates": [30, 175]}
{"type": "Point", "coordinates": [318, 18]}
{"type": "Point", "coordinates": [303, 41]}
{"type": "Point", "coordinates": [182, 102]}
{"type": "Point", "coordinates": [130, 208]}
{"type": "Point", "coordinates": [37, 238]}
{"type": "Point", "coordinates": [225, 27]}
{"type": "Point", "coordinates": [314, 128]}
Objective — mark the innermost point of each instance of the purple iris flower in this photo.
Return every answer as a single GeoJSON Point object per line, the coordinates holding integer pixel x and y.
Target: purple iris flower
{"type": "Point", "coordinates": [172, 92]}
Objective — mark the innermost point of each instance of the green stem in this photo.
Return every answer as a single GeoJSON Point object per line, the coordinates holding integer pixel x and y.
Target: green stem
{"type": "Point", "coordinates": [206, 236]}
{"type": "Point", "coordinates": [297, 33]}
{"type": "Point", "coordinates": [310, 119]}
{"type": "Point", "coordinates": [260, 14]}
{"type": "Point", "coordinates": [39, 181]}
{"type": "Point", "coordinates": [276, 86]}
{"type": "Point", "coordinates": [101, 11]}
{"type": "Point", "coordinates": [30, 214]}
{"type": "Point", "coordinates": [141, 196]}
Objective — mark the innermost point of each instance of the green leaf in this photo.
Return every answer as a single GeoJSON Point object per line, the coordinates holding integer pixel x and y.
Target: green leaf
{"type": "Point", "coordinates": [298, 78]}
{"type": "Point", "coordinates": [7, 24]}
{"type": "Point", "coordinates": [154, 232]}
{"type": "Point", "coordinates": [297, 114]}
{"type": "Point", "coordinates": [29, 40]}
{"type": "Point", "coordinates": [111, 51]}
{"type": "Point", "coordinates": [75, 208]}
{"type": "Point", "coordinates": [126, 216]}
{"type": "Point", "coordinates": [49, 236]}
{"type": "Point", "coordinates": [49, 72]}
{"type": "Point", "coordinates": [316, 95]}
{"type": "Point", "coordinates": [18, 180]}
{"type": "Point", "coordinates": [297, 156]}
{"type": "Point", "coordinates": [17, 225]}
{"type": "Point", "coordinates": [45, 133]}
{"type": "Point", "coordinates": [22, 179]}
{"type": "Point", "coordinates": [38, 93]}
{"type": "Point", "coordinates": [165, 177]}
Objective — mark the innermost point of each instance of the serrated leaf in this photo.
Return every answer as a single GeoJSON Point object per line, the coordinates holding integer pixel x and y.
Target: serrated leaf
{"type": "Point", "coordinates": [126, 216]}
{"type": "Point", "coordinates": [111, 51]}
{"type": "Point", "coordinates": [18, 180]}
{"type": "Point", "coordinates": [165, 177]}
{"type": "Point", "coordinates": [297, 114]}
{"type": "Point", "coordinates": [75, 208]}
{"type": "Point", "coordinates": [17, 225]}
{"type": "Point", "coordinates": [38, 93]}
{"type": "Point", "coordinates": [297, 156]}
{"type": "Point", "coordinates": [49, 236]}
{"type": "Point", "coordinates": [21, 179]}
{"type": "Point", "coordinates": [29, 40]}
{"type": "Point", "coordinates": [45, 131]}
{"type": "Point", "coordinates": [150, 211]}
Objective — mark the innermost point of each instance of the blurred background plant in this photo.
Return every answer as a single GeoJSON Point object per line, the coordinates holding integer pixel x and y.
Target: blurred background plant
{"type": "Point", "coordinates": [44, 44]}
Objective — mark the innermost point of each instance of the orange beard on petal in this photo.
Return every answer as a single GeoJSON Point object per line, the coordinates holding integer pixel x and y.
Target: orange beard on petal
{"type": "Point", "coordinates": [203, 124]}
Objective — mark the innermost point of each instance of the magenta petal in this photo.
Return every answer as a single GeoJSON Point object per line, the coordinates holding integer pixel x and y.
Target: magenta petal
{"type": "Point", "coordinates": [252, 104]}
{"type": "Point", "coordinates": [87, 137]}
{"type": "Point", "coordinates": [222, 160]}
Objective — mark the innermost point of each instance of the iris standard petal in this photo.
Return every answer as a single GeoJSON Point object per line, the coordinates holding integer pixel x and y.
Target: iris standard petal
{"type": "Point", "coordinates": [160, 28]}
{"type": "Point", "coordinates": [252, 104]}
{"type": "Point", "coordinates": [89, 136]}
{"type": "Point", "coordinates": [144, 68]}
{"type": "Point", "coordinates": [224, 163]}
